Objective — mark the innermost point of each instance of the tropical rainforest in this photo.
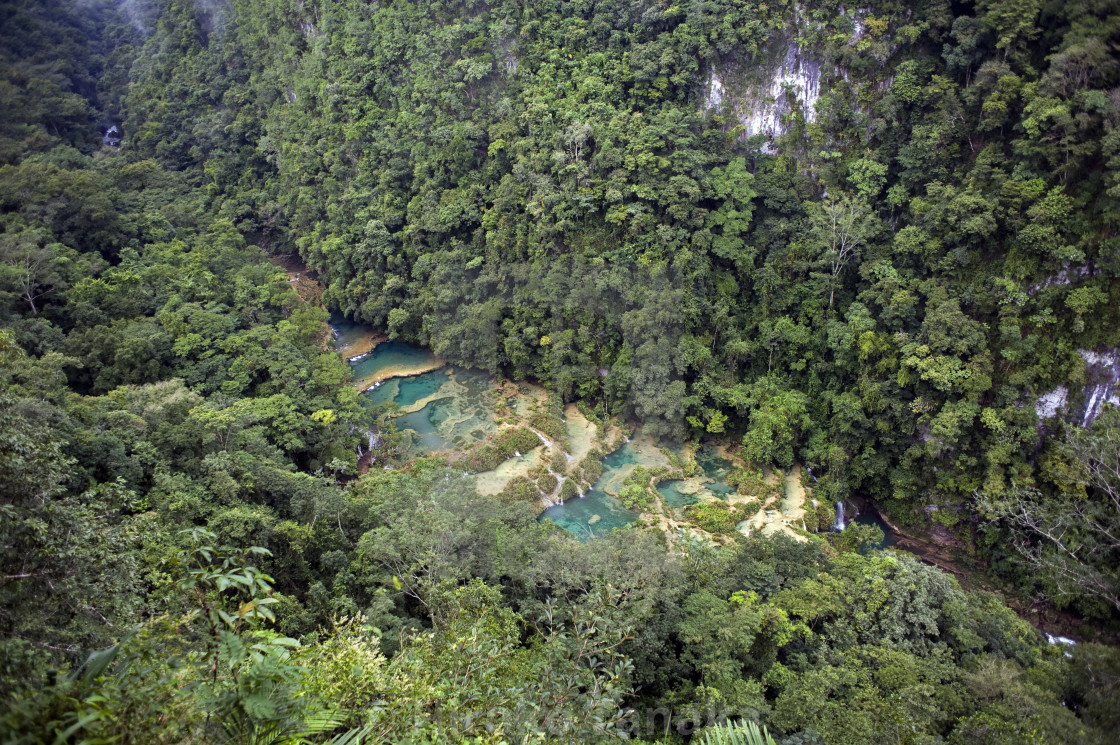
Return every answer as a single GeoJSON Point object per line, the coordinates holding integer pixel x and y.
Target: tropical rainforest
{"type": "Point", "coordinates": [907, 285]}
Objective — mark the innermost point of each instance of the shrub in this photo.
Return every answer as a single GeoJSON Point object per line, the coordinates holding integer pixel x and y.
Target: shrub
{"type": "Point", "coordinates": [713, 517]}
{"type": "Point", "coordinates": [547, 483]}
{"type": "Point", "coordinates": [549, 425]}
{"type": "Point", "coordinates": [504, 446]}
{"type": "Point", "coordinates": [520, 489]}
{"type": "Point", "coordinates": [569, 489]}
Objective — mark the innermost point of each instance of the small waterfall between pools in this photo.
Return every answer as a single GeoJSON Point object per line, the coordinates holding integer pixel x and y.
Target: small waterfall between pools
{"type": "Point", "coordinates": [839, 524]}
{"type": "Point", "coordinates": [544, 439]}
{"type": "Point", "coordinates": [548, 502]}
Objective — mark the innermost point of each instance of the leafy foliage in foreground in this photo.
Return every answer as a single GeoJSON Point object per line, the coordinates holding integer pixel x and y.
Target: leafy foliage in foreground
{"type": "Point", "coordinates": [492, 626]}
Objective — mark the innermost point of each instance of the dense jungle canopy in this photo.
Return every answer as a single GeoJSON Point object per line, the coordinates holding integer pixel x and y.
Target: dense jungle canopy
{"type": "Point", "coordinates": [878, 242]}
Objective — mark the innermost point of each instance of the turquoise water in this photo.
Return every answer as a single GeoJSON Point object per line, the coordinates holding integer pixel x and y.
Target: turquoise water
{"type": "Point", "coordinates": [871, 518]}
{"type": "Point", "coordinates": [383, 393]}
{"type": "Point", "coordinates": [712, 470]}
{"type": "Point", "coordinates": [407, 391]}
{"type": "Point", "coordinates": [411, 390]}
{"type": "Point", "coordinates": [421, 423]}
{"type": "Point", "coordinates": [575, 515]}
{"type": "Point", "coordinates": [427, 437]}
{"type": "Point", "coordinates": [446, 424]}
{"type": "Point", "coordinates": [716, 468]}
{"type": "Point", "coordinates": [461, 414]}
{"type": "Point", "coordinates": [390, 355]}
{"type": "Point", "coordinates": [674, 497]}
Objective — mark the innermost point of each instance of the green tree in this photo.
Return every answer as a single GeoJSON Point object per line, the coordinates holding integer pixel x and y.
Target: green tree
{"type": "Point", "coordinates": [1069, 539]}
{"type": "Point", "coordinates": [69, 555]}
{"type": "Point", "coordinates": [778, 416]}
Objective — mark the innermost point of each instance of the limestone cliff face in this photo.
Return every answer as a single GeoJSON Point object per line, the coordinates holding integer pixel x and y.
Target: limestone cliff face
{"type": "Point", "coordinates": [1103, 373]}
{"type": "Point", "coordinates": [1102, 376]}
{"type": "Point", "coordinates": [761, 98]}
{"type": "Point", "coordinates": [786, 77]}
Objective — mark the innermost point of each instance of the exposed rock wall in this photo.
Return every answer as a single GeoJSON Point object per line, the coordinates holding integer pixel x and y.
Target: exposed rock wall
{"type": "Point", "coordinates": [762, 98]}
{"type": "Point", "coordinates": [1102, 387]}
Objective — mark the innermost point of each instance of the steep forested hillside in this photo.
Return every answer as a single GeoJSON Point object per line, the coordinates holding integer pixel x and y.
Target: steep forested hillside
{"type": "Point", "coordinates": [879, 241]}
{"type": "Point", "coordinates": [881, 286]}
{"type": "Point", "coordinates": [539, 192]}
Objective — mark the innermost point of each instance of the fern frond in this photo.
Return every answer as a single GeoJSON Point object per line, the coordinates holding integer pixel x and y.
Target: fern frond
{"type": "Point", "coordinates": [744, 733]}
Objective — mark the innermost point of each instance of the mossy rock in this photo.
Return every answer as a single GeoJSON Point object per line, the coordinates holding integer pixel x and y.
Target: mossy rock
{"type": "Point", "coordinates": [591, 469]}
{"type": "Point", "coordinates": [592, 415]}
{"type": "Point", "coordinates": [569, 489]}
{"type": "Point", "coordinates": [635, 497]}
{"type": "Point", "coordinates": [519, 439]}
{"type": "Point", "coordinates": [485, 458]}
{"type": "Point", "coordinates": [714, 517]}
{"type": "Point", "coordinates": [748, 482]}
{"type": "Point", "coordinates": [547, 483]}
{"type": "Point", "coordinates": [521, 489]}
{"type": "Point", "coordinates": [505, 445]}
{"type": "Point", "coordinates": [559, 460]}
{"type": "Point", "coordinates": [674, 461]}
{"type": "Point", "coordinates": [548, 425]}
{"type": "Point", "coordinates": [825, 515]}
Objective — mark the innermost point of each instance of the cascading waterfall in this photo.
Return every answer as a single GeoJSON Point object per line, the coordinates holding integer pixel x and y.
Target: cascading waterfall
{"type": "Point", "coordinates": [545, 440]}
{"type": "Point", "coordinates": [839, 524]}
{"type": "Point", "coordinates": [374, 441]}
{"type": "Point", "coordinates": [1051, 639]}
{"type": "Point", "coordinates": [1093, 404]}
{"type": "Point", "coordinates": [559, 488]}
